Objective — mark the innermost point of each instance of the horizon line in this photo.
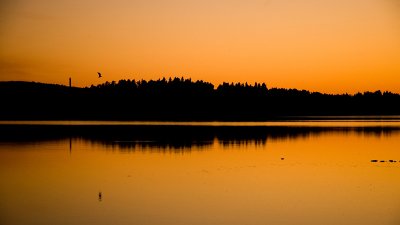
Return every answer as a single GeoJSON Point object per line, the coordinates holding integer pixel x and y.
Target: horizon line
{"type": "Point", "coordinates": [215, 85]}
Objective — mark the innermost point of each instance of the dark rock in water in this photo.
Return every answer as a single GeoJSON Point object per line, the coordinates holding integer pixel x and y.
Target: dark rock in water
{"type": "Point", "coordinates": [391, 161]}
{"type": "Point", "coordinates": [374, 161]}
{"type": "Point", "coordinates": [382, 161]}
{"type": "Point", "coordinates": [282, 158]}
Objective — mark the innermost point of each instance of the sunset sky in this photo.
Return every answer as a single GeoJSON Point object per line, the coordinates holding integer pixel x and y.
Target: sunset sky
{"type": "Point", "coordinates": [332, 46]}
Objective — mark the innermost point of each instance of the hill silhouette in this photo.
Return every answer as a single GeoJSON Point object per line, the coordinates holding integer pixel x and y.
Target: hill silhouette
{"type": "Point", "coordinates": [180, 99]}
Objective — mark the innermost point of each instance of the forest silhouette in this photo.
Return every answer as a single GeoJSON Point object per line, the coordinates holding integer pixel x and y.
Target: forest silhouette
{"type": "Point", "coordinates": [179, 99]}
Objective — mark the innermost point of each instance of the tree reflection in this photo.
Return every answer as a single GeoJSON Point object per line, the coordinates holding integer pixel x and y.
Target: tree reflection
{"type": "Point", "coordinates": [176, 138]}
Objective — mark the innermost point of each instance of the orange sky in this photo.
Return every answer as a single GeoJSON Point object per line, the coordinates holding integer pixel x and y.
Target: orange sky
{"type": "Point", "coordinates": [332, 46]}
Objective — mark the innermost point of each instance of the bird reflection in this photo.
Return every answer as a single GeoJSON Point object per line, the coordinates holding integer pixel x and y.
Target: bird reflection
{"type": "Point", "coordinates": [100, 196]}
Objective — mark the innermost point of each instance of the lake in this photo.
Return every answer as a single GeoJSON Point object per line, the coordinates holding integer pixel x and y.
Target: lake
{"type": "Point", "coordinates": [289, 172]}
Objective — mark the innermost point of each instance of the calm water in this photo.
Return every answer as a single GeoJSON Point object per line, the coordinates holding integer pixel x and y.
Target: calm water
{"type": "Point", "coordinates": [321, 175]}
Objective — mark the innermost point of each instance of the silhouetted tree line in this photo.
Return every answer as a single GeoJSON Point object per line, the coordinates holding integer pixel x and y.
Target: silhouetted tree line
{"type": "Point", "coordinates": [182, 99]}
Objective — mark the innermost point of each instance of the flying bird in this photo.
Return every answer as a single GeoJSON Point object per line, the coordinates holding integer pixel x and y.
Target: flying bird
{"type": "Point", "coordinates": [99, 74]}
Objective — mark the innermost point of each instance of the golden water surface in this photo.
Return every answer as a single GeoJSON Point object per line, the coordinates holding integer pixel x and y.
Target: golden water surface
{"type": "Point", "coordinates": [322, 178]}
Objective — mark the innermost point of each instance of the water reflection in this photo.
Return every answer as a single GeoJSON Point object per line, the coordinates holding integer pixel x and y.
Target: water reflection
{"type": "Point", "coordinates": [222, 175]}
{"type": "Point", "coordinates": [177, 138]}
